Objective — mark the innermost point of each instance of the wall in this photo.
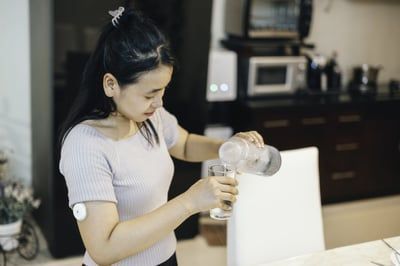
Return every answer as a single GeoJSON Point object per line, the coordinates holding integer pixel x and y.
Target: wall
{"type": "Point", "coordinates": [25, 93]}
{"type": "Point", "coordinates": [15, 90]}
{"type": "Point", "coordinates": [362, 31]}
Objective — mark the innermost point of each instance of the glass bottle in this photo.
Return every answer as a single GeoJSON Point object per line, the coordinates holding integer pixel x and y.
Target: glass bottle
{"type": "Point", "coordinates": [334, 74]}
{"type": "Point", "coordinates": [249, 158]}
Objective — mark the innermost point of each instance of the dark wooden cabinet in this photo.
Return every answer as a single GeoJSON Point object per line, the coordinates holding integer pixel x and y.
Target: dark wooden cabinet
{"type": "Point", "coordinates": [343, 168]}
{"type": "Point", "coordinates": [358, 141]}
{"type": "Point", "coordinates": [383, 127]}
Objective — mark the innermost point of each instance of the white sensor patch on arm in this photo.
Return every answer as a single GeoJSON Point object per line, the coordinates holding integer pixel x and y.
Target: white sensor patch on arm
{"type": "Point", "coordinates": [79, 211]}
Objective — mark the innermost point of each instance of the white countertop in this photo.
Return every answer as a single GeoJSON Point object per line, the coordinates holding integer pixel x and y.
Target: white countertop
{"type": "Point", "coordinates": [354, 255]}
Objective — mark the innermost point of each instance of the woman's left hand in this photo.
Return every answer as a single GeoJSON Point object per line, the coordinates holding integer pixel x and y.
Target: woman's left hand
{"type": "Point", "coordinates": [252, 136]}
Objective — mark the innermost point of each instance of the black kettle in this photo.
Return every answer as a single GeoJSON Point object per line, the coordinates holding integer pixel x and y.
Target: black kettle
{"type": "Point", "coordinates": [365, 79]}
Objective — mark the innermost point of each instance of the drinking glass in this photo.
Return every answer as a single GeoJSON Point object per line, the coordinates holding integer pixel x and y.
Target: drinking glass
{"type": "Point", "coordinates": [221, 170]}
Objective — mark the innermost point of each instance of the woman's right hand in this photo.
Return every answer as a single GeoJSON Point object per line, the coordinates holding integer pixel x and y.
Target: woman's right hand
{"type": "Point", "coordinates": [211, 192]}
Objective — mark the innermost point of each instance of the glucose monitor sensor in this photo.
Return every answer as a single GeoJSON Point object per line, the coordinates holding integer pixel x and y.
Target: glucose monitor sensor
{"type": "Point", "coordinates": [79, 211]}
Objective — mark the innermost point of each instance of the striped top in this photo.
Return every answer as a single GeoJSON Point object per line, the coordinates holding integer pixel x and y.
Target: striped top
{"type": "Point", "coordinates": [129, 172]}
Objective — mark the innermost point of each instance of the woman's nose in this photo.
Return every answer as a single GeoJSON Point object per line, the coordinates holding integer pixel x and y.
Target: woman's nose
{"type": "Point", "coordinates": [158, 102]}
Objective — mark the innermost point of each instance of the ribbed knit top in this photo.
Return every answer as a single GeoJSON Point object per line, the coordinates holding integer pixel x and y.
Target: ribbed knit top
{"type": "Point", "coordinates": [130, 172]}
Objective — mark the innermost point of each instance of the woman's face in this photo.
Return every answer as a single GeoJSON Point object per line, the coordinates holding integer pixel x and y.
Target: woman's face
{"type": "Point", "coordinates": [140, 100]}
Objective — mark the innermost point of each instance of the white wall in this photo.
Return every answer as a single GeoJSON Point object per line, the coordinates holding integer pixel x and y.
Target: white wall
{"type": "Point", "coordinates": [15, 91]}
{"type": "Point", "coordinates": [362, 31]}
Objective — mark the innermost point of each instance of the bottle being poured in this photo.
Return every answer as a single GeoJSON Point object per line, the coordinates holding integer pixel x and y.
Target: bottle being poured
{"type": "Point", "coordinates": [246, 157]}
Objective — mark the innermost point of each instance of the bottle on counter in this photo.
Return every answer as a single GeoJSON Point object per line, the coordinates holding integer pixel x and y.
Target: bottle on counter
{"type": "Point", "coordinates": [334, 73]}
{"type": "Point", "coordinates": [248, 158]}
{"type": "Point", "coordinates": [316, 75]}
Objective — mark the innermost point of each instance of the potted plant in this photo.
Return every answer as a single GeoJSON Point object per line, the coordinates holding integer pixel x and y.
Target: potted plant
{"type": "Point", "coordinates": [16, 201]}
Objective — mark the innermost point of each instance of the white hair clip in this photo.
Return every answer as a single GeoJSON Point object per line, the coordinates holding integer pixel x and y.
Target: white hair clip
{"type": "Point", "coordinates": [116, 15]}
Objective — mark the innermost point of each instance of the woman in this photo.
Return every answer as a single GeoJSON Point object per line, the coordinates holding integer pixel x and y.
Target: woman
{"type": "Point", "coordinates": [116, 147]}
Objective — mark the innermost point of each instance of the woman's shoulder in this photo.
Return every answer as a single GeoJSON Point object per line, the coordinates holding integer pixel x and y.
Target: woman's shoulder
{"type": "Point", "coordinates": [83, 135]}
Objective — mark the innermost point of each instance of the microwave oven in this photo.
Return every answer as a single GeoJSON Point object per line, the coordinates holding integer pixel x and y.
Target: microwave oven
{"type": "Point", "coordinates": [261, 76]}
{"type": "Point", "coordinates": [268, 19]}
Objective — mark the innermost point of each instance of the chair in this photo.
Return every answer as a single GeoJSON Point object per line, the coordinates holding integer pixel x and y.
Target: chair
{"type": "Point", "coordinates": [280, 216]}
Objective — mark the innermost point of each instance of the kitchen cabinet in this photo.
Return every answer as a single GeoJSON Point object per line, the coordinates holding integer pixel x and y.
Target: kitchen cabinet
{"type": "Point", "coordinates": [383, 127]}
{"type": "Point", "coordinates": [358, 140]}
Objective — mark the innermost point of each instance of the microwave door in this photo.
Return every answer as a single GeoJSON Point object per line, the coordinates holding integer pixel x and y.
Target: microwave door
{"type": "Point", "coordinates": [270, 79]}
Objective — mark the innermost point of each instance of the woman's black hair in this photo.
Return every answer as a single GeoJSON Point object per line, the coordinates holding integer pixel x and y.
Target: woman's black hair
{"type": "Point", "coordinates": [130, 48]}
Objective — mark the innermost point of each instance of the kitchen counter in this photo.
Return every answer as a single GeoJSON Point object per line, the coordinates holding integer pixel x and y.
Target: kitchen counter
{"type": "Point", "coordinates": [354, 255]}
{"type": "Point", "coordinates": [322, 98]}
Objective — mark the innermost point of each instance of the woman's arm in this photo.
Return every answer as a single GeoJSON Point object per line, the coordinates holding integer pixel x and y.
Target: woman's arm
{"type": "Point", "coordinates": [108, 240]}
{"type": "Point", "coordinates": [198, 148]}
{"type": "Point", "coordinates": [195, 148]}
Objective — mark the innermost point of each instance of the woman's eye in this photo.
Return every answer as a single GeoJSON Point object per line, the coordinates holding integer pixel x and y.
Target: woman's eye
{"type": "Point", "coordinates": [149, 97]}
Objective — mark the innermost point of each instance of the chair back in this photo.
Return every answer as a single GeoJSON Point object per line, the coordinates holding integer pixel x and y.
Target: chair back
{"type": "Point", "coordinates": [280, 216]}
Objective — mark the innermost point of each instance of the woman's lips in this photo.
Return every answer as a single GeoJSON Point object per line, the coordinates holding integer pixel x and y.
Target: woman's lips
{"type": "Point", "coordinates": [149, 114]}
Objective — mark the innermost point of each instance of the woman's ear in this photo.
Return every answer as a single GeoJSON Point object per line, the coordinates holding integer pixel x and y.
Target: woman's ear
{"type": "Point", "coordinates": [110, 85]}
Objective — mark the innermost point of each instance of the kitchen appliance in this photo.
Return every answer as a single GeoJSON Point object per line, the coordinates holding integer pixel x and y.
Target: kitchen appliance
{"type": "Point", "coordinates": [221, 76]}
{"type": "Point", "coordinates": [365, 79]}
{"type": "Point", "coordinates": [222, 63]}
{"type": "Point", "coordinates": [289, 19]}
{"type": "Point", "coordinates": [261, 76]}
